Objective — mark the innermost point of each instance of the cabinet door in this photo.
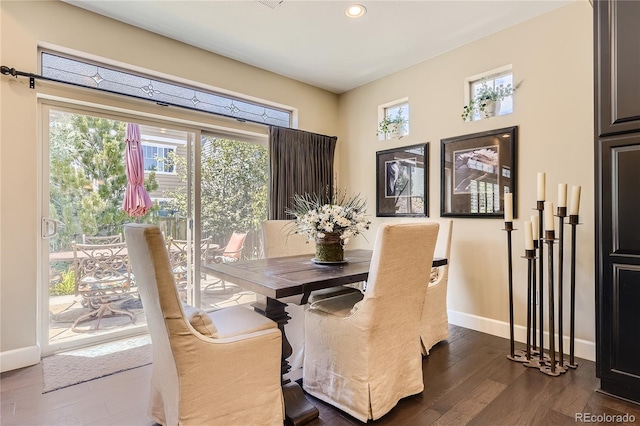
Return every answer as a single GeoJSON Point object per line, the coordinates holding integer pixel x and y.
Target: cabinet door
{"type": "Point", "coordinates": [617, 36]}
{"type": "Point", "coordinates": [618, 251]}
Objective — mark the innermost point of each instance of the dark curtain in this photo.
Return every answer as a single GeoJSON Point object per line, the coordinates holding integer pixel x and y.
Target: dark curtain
{"type": "Point", "coordinates": [300, 162]}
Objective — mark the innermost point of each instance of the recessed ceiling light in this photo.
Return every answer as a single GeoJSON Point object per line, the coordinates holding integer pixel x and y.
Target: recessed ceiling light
{"type": "Point", "coordinates": [355, 11]}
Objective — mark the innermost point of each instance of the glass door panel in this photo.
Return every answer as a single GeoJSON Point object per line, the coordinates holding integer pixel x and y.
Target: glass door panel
{"type": "Point", "coordinates": [85, 182]}
{"type": "Point", "coordinates": [233, 205]}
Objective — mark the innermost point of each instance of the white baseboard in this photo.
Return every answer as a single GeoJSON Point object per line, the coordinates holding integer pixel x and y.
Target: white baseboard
{"type": "Point", "coordinates": [583, 348]}
{"type": "Point", "coordinates": [19, 358]}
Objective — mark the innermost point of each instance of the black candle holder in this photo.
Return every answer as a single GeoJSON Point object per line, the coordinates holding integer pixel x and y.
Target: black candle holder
{"type": "Point", "coordinates": [508, 227]}
{"type": "Point", "coordinates": [573, 222]}
{"type": "Point", "coordinates": [561, 214]}
{"type": "Point", "coordinates": [540, 208]}
{"type": "Point", "coordinates": [530, 255]}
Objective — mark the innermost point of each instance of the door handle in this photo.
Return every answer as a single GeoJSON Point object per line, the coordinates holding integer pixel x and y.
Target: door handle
{"type": "Point", "coordinates": [50, 227]}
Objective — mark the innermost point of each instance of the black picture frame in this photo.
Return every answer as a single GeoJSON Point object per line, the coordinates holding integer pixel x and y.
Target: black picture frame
{"type": "Point", "coordinates": [476, 170]}
{"type": "Point", "coordinates": [402, 181]}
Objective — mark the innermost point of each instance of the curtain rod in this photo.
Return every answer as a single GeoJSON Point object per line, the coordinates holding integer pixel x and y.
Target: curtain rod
{"type": "Point", "coordinates": [32, 77]}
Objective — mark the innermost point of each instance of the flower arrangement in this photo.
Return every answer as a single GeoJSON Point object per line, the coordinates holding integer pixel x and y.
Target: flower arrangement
{"type": "Point", "coordinates": [315, 216]}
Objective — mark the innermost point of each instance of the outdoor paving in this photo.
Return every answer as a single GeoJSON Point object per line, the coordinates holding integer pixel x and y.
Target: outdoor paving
{"type": "Point", "coordinates": [65, 309]}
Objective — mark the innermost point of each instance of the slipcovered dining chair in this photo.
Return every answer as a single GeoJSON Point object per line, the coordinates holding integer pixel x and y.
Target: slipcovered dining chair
{"type": "Point", "coordinates": [434, 325]}
{"type": "Point", "coordinates": [279, 242]}
{"type": "Point", "coordinates": [218, 368]}
{"type": "Point", "coordinates": [362, 352]}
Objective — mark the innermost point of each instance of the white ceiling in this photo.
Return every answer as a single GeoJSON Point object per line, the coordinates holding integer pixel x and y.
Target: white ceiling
{"type": "Point", "coordinates": [314, 41]}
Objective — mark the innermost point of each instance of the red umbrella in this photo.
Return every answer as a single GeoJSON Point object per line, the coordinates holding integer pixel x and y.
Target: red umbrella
{"type": "Point", "coordinates": [136, 200]}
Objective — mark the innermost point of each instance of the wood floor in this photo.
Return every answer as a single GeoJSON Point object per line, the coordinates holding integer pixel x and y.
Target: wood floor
{"type": "Point", "coordinates": [467, 380]}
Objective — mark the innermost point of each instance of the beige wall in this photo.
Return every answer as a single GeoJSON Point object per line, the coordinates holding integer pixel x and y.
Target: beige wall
{"type": "Point", "coordinates": [23, 26]}
{"type": "Point", "coordinates": [552, 58]}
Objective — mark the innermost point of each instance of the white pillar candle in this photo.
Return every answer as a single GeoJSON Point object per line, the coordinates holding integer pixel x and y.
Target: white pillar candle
{"type": "Point", "coordinates": [562, 195]}
{"type": "Point", "coordinates": [535, 225]}
{"type": "Point", "coordinates": [548, 216]}
{"type": "Point", "coordinates": [575, 200]}
{"type": "Point", "coordinates": [541, 186]}
{"type": "Point", "coordinates": [508, 207]}
{"type": "Point", "coordinates": [528, 238]}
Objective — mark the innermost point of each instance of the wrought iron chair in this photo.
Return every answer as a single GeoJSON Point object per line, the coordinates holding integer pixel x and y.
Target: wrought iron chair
{"type": "Point", "coordinates": [102, 276]}
{"type": "Point", "coordinates": [106, 239]}
{"type": "Point", "coordinates": [177, 250]}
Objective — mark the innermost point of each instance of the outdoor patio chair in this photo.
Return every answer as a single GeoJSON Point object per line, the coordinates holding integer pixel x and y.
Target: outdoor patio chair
{"type": "Point", "coordinates": [106, 239]}
{"type": "Point", "coordinates": [232, 252]}
{"type": "Point", "coordinates": [102, 276]}
{"type": "Point", "coordinates": [177, 250]}
{"type": "Point", "coordinates": [217, 368]}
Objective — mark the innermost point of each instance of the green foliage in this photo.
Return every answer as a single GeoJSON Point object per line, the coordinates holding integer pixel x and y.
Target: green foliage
{"type": "Point", "coordinates": [87, 176]}
{"type": "Point", "coordinates": [67, 284]}
{"type": "Point", "coordinates": [485, 95]}
{"type": "Point", "coordinates": [396, 124]}
{"type": "Point", "coordinates": [234, 187]}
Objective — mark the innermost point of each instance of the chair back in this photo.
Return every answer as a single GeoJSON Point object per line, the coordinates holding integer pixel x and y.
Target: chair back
{"type": "Point", "coordinates": [102, 271]}
{"type": "Point", "coordinates": [398, 275]}
{"type": "Point", "coordinates": [279, 242]}
{"type": "Point", "coordinates": [106, 239]}
{"type": "Point", "coordinates": [443, 249]}
{"type": "Point", "coordinates": [159, 295]}
{"type": "Point", "coordinates": [177, 250]}
{"type": "Point", "coordinates": [234, 247]}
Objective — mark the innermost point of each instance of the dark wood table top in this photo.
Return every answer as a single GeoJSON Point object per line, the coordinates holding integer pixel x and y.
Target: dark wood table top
{"type": "Point", "coordinates": [292, 275]}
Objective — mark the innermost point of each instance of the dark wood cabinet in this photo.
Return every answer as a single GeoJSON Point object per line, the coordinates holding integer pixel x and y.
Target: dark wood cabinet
{"type": "Point", "coordinates": [617, 128]}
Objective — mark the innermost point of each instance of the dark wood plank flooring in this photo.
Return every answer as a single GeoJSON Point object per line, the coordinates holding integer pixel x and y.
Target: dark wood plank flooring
{"type": "Point", "coordinates": [467, 380]}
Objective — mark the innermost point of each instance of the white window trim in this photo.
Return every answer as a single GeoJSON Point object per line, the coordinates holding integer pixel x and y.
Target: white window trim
{"type": "Point", "coordinates": [382, 109]}
{"type": "Point", "coordinates": [164, 146]}
{"type": "Point", "coordinates": [470, 80]}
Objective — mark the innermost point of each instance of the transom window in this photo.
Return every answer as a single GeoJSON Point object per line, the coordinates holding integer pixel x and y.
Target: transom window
{"type": "Point", "coordinates": [156, 158]}
{"type": "Point", "coordinates": [98, 76]}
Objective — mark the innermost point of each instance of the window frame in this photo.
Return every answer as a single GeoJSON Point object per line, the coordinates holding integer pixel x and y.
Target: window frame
{"type": "Point", "coordinates": [490, 75]}
{"type": "Point", "coordinates": [382, 114]}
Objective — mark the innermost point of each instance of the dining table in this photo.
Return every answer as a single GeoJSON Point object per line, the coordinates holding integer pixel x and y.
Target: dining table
{"type": "Point", "coordinates": [275, 278]}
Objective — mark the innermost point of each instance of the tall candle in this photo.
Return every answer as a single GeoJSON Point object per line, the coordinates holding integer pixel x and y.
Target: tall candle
{"type": "Point", "coordinates": [508, 207]}
{"type": "Point", "coordinates": [541, 186]}
{"type": "Point", "coordinates": [548, 216]}
{"type": "Point", "coordinates": [535, 225]}
{"type": "Point", "coordinates": [562, 195]}
{"type": "Point", "coordinates": [575, 200]}
{"type": "Point", "coordinates": [528, 238]}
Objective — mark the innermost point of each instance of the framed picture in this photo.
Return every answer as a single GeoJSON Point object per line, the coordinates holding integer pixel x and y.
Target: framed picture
{"type": "Point", "coordinates": [402, 181]}
{"type": "Point", "coordinates": [476, 171]}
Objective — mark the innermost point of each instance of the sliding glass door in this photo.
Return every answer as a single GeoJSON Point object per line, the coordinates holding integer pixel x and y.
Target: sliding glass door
{"type": "Point", "coordinates": [207, 189]}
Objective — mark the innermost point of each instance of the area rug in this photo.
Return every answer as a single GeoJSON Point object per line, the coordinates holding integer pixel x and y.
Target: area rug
{"type": "Point", "coordinates": [82, 365]}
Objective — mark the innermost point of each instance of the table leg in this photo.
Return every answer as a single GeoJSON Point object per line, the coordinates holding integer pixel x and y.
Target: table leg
{"type": "Point", "coordinates": [298, 410]}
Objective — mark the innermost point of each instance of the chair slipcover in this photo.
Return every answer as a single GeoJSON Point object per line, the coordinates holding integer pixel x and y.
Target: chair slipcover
{"type": "Point", "coordinates": [434, 326]}
{"type": "Point", "coordinates": [364, 357]}
{"type": "Point", "coordinates": [279, 243]}
{"type": "Point", "coordinates": [230, 380]}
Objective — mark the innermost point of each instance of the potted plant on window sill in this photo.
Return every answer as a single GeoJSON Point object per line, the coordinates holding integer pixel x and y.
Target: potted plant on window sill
{"type": "Point", "coordinates": [487, 101]}
{"type": "Point", "coordinates": [393, 127]}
